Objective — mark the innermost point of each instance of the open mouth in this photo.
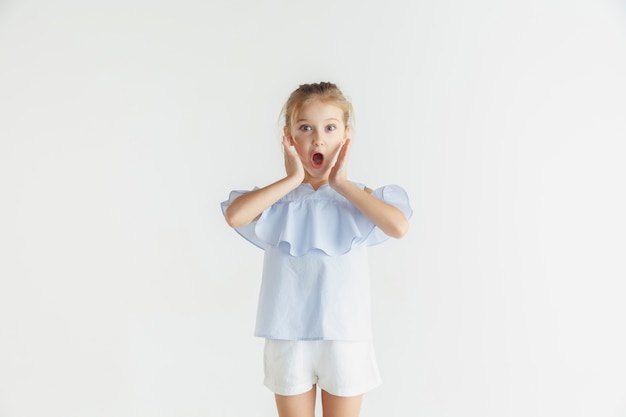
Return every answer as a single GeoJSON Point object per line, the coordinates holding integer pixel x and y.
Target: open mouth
{"type": "Point", "coordinates": [317, 160]}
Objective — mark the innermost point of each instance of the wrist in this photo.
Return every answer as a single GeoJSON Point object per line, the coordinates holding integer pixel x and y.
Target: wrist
{"type": "Point", "coordinates": [293, 181]}
{"type": "Point", "coordinates": [343, 187]}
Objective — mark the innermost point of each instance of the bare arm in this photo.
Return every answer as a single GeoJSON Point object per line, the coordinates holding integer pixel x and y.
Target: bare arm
{"type": "Point", "coordinates": [387, 217]}
{"type": "Point", "coordinates": [248, 207]}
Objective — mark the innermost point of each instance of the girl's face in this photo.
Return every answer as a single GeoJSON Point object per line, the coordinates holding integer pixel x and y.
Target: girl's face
{"type": "Point", "coordinates": [317, 133]}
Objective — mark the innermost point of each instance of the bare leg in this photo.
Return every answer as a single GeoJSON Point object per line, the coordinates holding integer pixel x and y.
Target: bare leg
{"type": "Point", "coordinates": [301, 405]}
{"type": "Point", "coordinates": [335, 406]}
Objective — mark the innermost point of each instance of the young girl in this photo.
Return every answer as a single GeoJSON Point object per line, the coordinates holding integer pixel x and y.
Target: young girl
{"type": "Point", "coordinates": [315, 225]}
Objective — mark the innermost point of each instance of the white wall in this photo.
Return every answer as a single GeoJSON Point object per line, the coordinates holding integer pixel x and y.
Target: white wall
{"type": "Point", "coordinates": [123, 124]}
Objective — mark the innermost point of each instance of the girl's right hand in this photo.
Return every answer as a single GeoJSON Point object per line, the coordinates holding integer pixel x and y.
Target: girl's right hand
{"type": "Point", "coordinates": [248, 207]}
{"type": "Point", "coordinates": [293, 164]}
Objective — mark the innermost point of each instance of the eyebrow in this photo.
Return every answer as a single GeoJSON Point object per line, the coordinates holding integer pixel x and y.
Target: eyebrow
{"type": "Point", "coordinates": [325, 120]}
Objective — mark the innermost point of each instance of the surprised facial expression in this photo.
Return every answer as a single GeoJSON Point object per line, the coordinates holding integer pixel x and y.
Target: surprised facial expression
{"type": "Point", "coordinates": [317, 133]}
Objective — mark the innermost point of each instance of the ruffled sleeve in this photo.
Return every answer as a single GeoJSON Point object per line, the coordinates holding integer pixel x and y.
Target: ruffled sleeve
{"type": "Point", "coordinates": [247, 231]}
{"type": "Point", "coordinates": [397, 197]}
{"type": "Point", "coordinates": [323, 220]}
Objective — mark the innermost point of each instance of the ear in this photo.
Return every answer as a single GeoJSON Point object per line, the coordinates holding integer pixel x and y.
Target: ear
{"type": "Point", "coordinates": [347, 132]}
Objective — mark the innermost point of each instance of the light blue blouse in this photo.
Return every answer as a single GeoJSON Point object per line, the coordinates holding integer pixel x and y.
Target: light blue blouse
{"type": "Point", "coordinates": [315, 283]}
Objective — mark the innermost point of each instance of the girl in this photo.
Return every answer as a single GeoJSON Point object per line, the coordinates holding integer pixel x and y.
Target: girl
{"type": "Point", "coordinates": [315, 225]}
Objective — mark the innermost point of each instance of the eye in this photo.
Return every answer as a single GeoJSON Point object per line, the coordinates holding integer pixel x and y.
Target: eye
{"type": "Point", "coordinates": [331, 127]}
{"type": "Point", "coordinates": [305, 127]}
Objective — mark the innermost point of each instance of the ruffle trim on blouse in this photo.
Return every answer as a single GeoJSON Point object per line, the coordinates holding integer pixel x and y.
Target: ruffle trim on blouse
{"type": "Point", "coordinates": [247, 231]}
{"type": "Point", "coordinates": [306, 219]}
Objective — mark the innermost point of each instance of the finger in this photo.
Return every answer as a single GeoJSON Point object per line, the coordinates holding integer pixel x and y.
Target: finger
{"type": "Point", "coordinates": [288, 149]}
{"type": "Point", "coordinates": [345, 151]}
{"type": "Point", "coordinates": [347, 146]}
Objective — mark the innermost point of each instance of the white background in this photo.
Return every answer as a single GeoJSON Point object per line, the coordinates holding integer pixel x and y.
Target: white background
{"type": "Point", "coordinates": [123, 124]}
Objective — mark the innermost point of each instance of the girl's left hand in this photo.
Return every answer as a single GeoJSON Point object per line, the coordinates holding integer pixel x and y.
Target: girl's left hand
{"type": "Point", "coordinates": [339, 173]}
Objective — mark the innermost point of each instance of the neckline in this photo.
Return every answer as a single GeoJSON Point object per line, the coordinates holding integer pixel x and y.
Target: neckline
{"type": "Point", "coordinates": [318, 188]}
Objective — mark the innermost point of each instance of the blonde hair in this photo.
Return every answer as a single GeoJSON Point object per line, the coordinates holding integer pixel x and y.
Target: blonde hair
{"type": "Point", "coordinates": [325, 92]}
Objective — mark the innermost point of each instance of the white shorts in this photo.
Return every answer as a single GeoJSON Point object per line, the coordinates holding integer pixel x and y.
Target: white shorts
{"type": "Point", "coordinates": [340, 368]}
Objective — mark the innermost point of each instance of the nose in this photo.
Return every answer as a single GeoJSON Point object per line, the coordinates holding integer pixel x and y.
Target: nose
{"type": "Point", "coordinates": [317, 139]}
